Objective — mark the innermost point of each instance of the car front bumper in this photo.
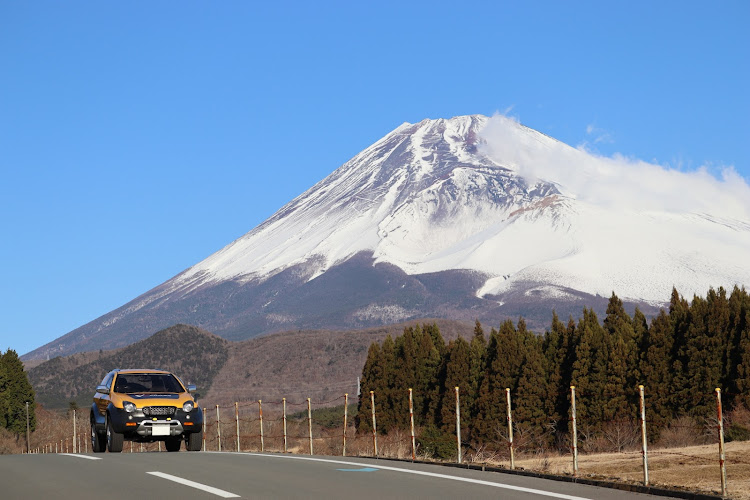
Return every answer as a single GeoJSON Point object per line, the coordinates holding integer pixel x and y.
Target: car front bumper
{"type": "Point", "coordinates": [136, 424]}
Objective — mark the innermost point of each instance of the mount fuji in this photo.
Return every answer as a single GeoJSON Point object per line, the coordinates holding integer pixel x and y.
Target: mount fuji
{"type": "Point", "coordinates": [461, 218]}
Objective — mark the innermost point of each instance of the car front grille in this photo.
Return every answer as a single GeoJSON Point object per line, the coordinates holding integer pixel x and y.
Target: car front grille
{"type": "Point", "coordinates": [159, 411]}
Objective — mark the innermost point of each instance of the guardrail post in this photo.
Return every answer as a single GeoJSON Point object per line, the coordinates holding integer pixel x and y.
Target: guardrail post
{"type": "Point", "coordinates": [721, 443]}
{"type": "Point", "coordinates": [575, 434]}
{"type": "Point", "coordinates": [510, 430]}
{"type": "Point", "coordinates": [218, 426]}
{"type": "Point", "coordinates": [411, 420]}
{"type": "Point", "coordinates": [237, 422]}
{"type": "Point", "coordinates": [644, 445]}
{"type": "Point", "coordinates": [374, 426]}
{"type": "Point", "coordinates": [260, 415]}
{"type": "Point", "coordinates": [283, 404]}
{"type": "Point", "coordinates": [458, 424]}
{"type": "Point", "coordinates": [346, 410]}
{"type": "Point", "coordinates": [309, 425]}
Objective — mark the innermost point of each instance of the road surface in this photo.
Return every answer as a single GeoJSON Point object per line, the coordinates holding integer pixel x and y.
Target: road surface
{"type": "Point", "coordinates": [214, 475]}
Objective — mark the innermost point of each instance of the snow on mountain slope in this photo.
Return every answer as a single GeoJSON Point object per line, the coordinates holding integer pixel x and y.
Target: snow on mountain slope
{"type": "Point", "coordinates": [524, 209]}
{"type": "Point", "coordinates": [466, 218]}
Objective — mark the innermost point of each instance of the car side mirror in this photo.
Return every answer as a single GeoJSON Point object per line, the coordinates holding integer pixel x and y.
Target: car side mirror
{"type": "Point", "coordinates": [191, 388]}
{"type": "Point", "coordinates": [102, 388]}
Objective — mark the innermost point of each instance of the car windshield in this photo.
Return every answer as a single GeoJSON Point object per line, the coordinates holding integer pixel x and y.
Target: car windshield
{"type": "Point", "coordinates": [129, 383]}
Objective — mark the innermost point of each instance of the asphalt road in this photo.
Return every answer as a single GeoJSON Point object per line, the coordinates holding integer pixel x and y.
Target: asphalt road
{"type": "Point", "coordinates": [212, 475]}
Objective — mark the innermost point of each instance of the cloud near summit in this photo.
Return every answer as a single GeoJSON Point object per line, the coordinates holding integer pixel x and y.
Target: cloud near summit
{"type": "Point", "coordinates": [617, 181]}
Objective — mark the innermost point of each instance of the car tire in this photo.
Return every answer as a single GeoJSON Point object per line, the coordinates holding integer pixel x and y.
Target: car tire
{"type": "Point", "coordinates": [114, 439]}
{"type": "Point", "coordinates": [173, 444]}
{"type": "Point", "coordinates": [97, 440]}
{"type": "Point", "coordinates": [194, 441]}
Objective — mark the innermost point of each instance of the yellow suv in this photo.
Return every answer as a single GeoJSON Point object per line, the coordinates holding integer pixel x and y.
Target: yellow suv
{"type": "Point", "coordinates": [145, 406]}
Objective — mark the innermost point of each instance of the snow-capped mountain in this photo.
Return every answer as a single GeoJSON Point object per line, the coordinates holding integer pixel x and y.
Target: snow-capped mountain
{"type": "Point", "coordinates": [469, 217]}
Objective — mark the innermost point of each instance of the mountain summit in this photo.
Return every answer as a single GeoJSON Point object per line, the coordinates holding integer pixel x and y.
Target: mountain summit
{"type": "Point", "coordinates": [464, 218]}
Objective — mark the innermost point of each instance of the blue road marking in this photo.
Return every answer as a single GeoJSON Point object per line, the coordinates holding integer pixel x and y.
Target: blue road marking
{"type": "Point", "coordinates": [363, 469]}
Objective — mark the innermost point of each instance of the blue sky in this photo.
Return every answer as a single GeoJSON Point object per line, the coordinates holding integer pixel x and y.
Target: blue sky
{"type": "Point", "coordinates": [137, 138]}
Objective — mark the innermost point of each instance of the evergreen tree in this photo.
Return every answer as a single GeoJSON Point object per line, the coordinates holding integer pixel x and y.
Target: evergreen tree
{"type": "Point", "coordinates": [426, 387]}
{"type": "Point", "coordinates": [704, 349]}
{"type": "Point", "coordinates": [620, 396]}
{"type": "Point", "coordinates": [385, 390]}
{"type": "Point", "coordinates": [477, 355]}
{"type": "Point", "coordinates": [679, 310]}
{"type": "Point", "coordinates": [457, 370]}
{"type": "Point", "coordinates": [529, 415]}
{"type": "Point", "coordinates": [742, 382]}
{"type": "Point", "coordinates": [488, 408]}
{"type": "Point", "coordinates": [739, 307]}
{"type": "Point", "coordinates": [15, 392]}
{"type": "Point", "coordinates": [656, 367]}
{"type": "Point", "coordinates": [554, 358]}
{"type": "Point", "coordinates": [371, 373]}
{"type": "Point", "coordinates": [407, 347]}
{"type": "Point", "coordinates": [502, 369]}
{"type": "Point", "coordinates": [590, 371]}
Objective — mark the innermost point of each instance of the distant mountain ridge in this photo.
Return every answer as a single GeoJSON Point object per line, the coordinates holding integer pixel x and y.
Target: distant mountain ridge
{"type": "Point", "coordinates": [430, 221]}
{"type": "Point", "coordinates": [296, 365]}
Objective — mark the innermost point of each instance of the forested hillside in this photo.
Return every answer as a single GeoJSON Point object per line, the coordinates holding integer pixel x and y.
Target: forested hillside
{"type": "Point", "coordinates": [680, 356]}
{"type": "Point", "coordinates": [193, 354]}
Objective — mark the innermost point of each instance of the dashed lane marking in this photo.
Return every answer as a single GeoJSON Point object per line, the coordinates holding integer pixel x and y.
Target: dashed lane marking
{"type": "Point", "coordinates": [80, 456]}
{"type": "Point", "coordinates": [193, 484]}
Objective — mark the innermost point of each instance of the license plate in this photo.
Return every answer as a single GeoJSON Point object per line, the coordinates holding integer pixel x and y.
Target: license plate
{"type": "Point", "coordinates": [160, 430]}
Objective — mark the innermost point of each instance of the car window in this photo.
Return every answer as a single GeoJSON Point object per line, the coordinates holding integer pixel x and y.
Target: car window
{"type": "Point", "coordinates": [130, 383]}
{"type": "Point", "coordinates": [108, 380]}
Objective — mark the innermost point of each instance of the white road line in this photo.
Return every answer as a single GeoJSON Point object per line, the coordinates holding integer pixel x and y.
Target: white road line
{"type": "Point", "coordinates": [423, 473]}
{"type": "Point", "coordinates": [80, 456]}
{"type": "Point", "coordinates": [193, 484]}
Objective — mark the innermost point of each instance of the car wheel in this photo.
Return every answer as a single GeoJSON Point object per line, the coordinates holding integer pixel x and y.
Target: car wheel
{"type": "Point", "coordinates": [173, 444]}
{"type": "Point", "coordinates": [194, 441]}
{"type": "Point", "coordinates": [97, 440]}
{"type": "Point", "coordinates": [114, 439]}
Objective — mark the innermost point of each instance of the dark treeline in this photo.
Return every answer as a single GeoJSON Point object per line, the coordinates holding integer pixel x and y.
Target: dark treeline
{"type": "Point", "coordinates": [680, 356]}
{"type": "Point", "coordinates": [15, 392]}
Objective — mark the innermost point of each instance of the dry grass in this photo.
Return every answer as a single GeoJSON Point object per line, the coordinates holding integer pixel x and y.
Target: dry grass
{"type": "Point", "coordinates": [693, 467]}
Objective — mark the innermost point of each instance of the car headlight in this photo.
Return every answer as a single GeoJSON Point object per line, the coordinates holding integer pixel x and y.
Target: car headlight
{"type": "Point", "coordinates": [128, 406]}
{"type": "Point", "coordinates": [188, 406]}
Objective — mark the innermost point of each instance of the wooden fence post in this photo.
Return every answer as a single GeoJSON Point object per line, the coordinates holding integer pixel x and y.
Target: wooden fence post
{"type": "Point", "coordinates": [205, 417]}
{"type": "Point", "coordinates": [283, 405]}
{"type": "Point", "coordinates": [218, 426]}
{"type": "Point", "coordinates": [575, 432]}
{"type": "Point", "coordinates": [458, 425]}
{"type": "Point", "coordinates": [644, 445]}
{"type": "Point", "coordinates": [510, 430]}
{"type": "Point", "coordinates": [309, 425]}
{"type": "Point", "coordinates": [721, 443]}
{"type": "Point", "coordinates": [75, 440]}
{"type": "Point", "coordinates": [411, 419]}
{"type": "Point", "coordinates": [374, 425]}
{"type": "Point", "coordinates": [260, 414]}
{"type": "Point", "coordinates": [346, 409]}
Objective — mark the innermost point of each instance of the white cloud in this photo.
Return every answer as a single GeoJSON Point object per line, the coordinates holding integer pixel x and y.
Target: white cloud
{"type": "Point", "coordinates": [615, 181]}
{"type": "Point", "coordinates": [599, 135]}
